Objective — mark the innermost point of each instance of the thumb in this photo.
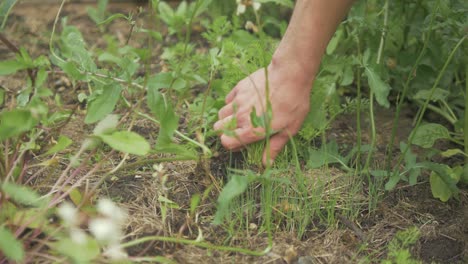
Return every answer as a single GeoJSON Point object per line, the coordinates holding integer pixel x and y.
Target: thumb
{"type": "Point", "coordinates": [277, 142]}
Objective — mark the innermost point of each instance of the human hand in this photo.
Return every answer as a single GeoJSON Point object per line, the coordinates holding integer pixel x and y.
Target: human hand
{"type": "Point", "coordinates": [289, 97]}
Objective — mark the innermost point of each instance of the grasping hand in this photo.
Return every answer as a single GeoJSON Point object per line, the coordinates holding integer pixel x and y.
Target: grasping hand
{"type": "Point", "coordinates": [289, 97]}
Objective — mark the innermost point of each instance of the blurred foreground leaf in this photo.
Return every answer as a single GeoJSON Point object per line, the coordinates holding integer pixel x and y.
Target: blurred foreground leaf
{"type": "Point", "coordinates": [10, 246]}
{"type": "Point", "coordinates": [127, 141]}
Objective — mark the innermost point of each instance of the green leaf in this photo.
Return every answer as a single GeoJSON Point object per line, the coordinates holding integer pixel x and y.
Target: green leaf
{"type": "Point", "coordinates": [235, 187]}
{"type": "Point", "coordinates": [33, 218]}
{"type": "Point", "coordinates": [10, 246]}
{"type": "Point", "coordinates": [410, 162]}
{"type": "Point", "coordinates": [180, 151]}
{"type": "Point", "coordinates": [328, 154]}
{"type": "Point", "coordinates": [72, 70]}
{"type": "Point", "coordinates": [107, 125]}
{"type": "Point", "coordinates": [22, 194]}
{"type": "Point", "coordinates": [112, 18]}
{"type": "Point", "coordinates": [439, 188]}
{"type": "Point", "coordinates": [162, 109]}
{"type": "Point", "coordinates": [15, 122]}
{"type": "Point", "coordinates": [452, 152]}
{"type": "Point", "coordinates": [5, 7]}
{"type": "Point", "coordinates": [438, 95]}
{"type": "Point", "coordinates": [335, 41]}
{"type": "Point", "coordinates": [392, 182]}
{"type": "Point", "coordinates": [76, 196]}
{"type": "Point", "coordinates": [194, 202]}
{"type": "Point", "coordinates": [443, 180]}
{"type": "Point", "coordinates": [127, 141]}
{"type": "Point", "coordinates": [426, 135]}
{"type": "Point", "coordinates": [2, 96]}
{"type": "Point", "coordinates": [74, 48]}
{"type": "Point", "coordinates": [78, 252]}
{"type": "Point", "coordinates": [166, 12]}
{"type": "Point", "coordinates": [379, 87]}
{"type": "Point", "coordinates": [104, 104]}
{"type": "Point", "coordinates": [62, 143]}
{"type": "Point", "coordinates": [168, 203]}
{"type": "Point", "coordinates": [11, 66]}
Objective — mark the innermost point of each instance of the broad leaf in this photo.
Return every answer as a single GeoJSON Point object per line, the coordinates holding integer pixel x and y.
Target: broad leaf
{"type": "Point", "coordinates": [443, 180]}
{"type": "Point", "coordinates": [74, 48]}
{"type": "Point", "coordinates": [10, 246]}
{"type": "Point", "coordinates": [378, 86]}
{"type": "Point", "coordinates": [439, 188]}
{"type": "Point", "coordinates": [22, 194]}
{"type": "Point", "coordinates": [15, 122]}
{"type": "Point", "coordinates": [62, 143]}
{"type": "Point", "coordinates": [127, 141]}
{"type": "Point", "coordinates": [83, 252]}
{"type": "Point", "coordinates": [11, 66]}
{"type": "Point", "coordinates": [328, 154]}
{"type": "Point", "coordinates": [182, 152]}
{"type": "Point", "coordinates": [104, 104]}
{"type": "Point", "coordinates": [162, 109]}
{"type": "Point", "coordinates": [235, 187]}
{"type": "Point", "coordinates": [107, 125]}
{"type": "Point", "coordinates": [426, 135]}
{"type": "Point", "coordinates": [166, 12]}
{"type": "Point", "coordinates": [452, 152]}
{"type": "Point", "coordinates": [438, 95]}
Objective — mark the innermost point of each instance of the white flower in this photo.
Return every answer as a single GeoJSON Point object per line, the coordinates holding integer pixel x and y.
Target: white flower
{"type": "Point", "coordinates": [249, 25]}
{"type": "Point", "coordinates": [240, 8]}
{"type": "Point", "coordinates": [78, 236]}
{"type": "Point", "coordinates": [115, 252]}
{"type": "Point", "coordinates": [109, 209]}
{"type": "Point", "coordinates": [68, 213]}
{"type": "Point", "coordinates": [242, 5]}
{"type": "Point", "coordinates": [256, 5]}
{"type": "Point", "coordinates": [158, 167]}
{"type": "Point", "coordinates": [105, 230]}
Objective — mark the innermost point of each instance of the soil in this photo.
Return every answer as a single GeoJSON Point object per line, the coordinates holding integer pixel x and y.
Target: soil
{"type": "Point", "coordinates": [443, 226]}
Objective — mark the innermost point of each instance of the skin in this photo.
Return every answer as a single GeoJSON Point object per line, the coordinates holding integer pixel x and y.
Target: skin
{"type": "Point", "coordinates": [290, 76]}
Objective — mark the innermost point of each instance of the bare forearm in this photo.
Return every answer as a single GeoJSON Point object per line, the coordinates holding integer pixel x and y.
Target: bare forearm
{"type": "Point", "coordinates": [312, 25]}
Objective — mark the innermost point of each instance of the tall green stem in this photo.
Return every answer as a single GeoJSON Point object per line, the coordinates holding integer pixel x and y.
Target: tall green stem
{"type": "Point", "coordinates": [396, 174]}
{"type": "Point", "coordinates": [405, 90]}
{"type": "Point", "coordinates": [465, 129]}
{"type": "Point", "coordinates": [371, 105]}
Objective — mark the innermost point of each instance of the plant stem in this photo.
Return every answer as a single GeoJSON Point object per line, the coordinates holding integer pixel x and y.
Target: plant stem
{"type": "Point", "coordinates": [465, 129]}
{"type": "Point", "coordinates": [371, 105]}
{"type": "Point", "coordinates": [51, 40]}
{"type": "Point", "coordinates": [426, 103]}
{"type": "Point", "coordinates": [411, 75]}
{"type": "Point", "coordinates": [439, 111]}
{"type": "Point", "coordinates": [205, 149]}
{"type": "Point", "coordinates": [20, 156]}
{"type": "Point", "coordinates": [358, 111]}
{"type": "Point", "coordinates": [196, 243]}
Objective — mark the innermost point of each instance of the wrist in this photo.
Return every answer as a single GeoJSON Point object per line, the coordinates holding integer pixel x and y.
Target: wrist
{"type": "Point", "coordinates": [301, 70]}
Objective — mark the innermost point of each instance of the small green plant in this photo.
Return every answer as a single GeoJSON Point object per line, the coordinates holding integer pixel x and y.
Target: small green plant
{"type": "Point", "coordinates": [98, 14]}
{"type": "Point", "coordinates": [399, 247]}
